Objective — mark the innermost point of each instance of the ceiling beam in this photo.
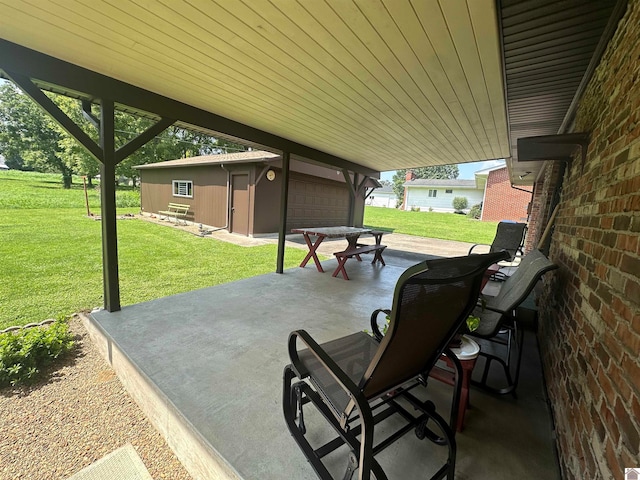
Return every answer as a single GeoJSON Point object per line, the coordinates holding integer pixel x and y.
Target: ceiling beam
{"type": "Point", "coordinates": [40, 67]}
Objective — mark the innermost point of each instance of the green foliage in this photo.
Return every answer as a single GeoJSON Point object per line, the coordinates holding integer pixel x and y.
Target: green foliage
{"type": "Point", "coordinates": [430, 224]}
{"type": "Point", "coordinates": [460, 203]}
{"type": "Point", "coordinates": [439, 172]}
{"type": "Point", "coordinates": [128, 198]}
{"type": "Point", "coordinates": [475, 212]}
{"type": "Point", "coordinates": [473, 322]}
{"type": "Point", "coordinates": [24, 353]}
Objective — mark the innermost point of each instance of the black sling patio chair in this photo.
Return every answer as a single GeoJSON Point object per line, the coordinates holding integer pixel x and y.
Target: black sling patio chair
{"type": "Point", "coordinates": [509, 237]}
{"type": "Point", "coordinates": [358, 381]}
{"type": "Point", "coordinates": [499, 323]}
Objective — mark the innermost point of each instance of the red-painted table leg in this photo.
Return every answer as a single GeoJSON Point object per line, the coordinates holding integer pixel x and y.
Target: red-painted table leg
{"type": "Point", "coordinates": [340, 269]}
{"type": "Point", "coordinates": [352, 240]}
{"type": "Point", "coordinates": [449, 377]}
{"type": "Point", "coordinates": [312, 251]}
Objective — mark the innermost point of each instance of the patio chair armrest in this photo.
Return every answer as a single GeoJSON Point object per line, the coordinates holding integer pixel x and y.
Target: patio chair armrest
{"type": "Point", "coordinates": [375, 327]}
{"type": "Point", "coordinates": [476, 245]}
{"type": "Point", "coordinates": [483, 306]}
{"type": "Point", "coordinates": [326, 361]}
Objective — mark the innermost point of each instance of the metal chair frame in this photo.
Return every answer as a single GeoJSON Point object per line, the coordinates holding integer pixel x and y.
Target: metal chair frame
{"type": "Point", "coordinates": [504, 330]}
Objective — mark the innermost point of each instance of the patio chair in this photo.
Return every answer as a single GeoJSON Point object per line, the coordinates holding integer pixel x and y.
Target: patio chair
{"type": "Point", "coordinates": [359, 380]}
{"type": "Point", "coordinates": [509, 237]}
{"type": "Point", "coordinates": [499, 323]}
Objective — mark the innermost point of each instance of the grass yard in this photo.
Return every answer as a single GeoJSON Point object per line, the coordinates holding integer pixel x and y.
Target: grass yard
{"type": "Point", "coordinates": [52, 253]}
{"type": "Point", "coordinates": [446, 226]}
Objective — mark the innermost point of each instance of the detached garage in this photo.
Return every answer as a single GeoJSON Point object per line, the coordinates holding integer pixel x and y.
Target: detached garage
{"type": "Point", "coordinates": [241, 192]}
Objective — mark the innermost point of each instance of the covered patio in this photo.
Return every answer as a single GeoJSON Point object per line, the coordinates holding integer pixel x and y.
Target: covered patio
{"type": "Point", "coordinates": [206, 367]}
{"type": "Point", "coordinates": [365, 87]}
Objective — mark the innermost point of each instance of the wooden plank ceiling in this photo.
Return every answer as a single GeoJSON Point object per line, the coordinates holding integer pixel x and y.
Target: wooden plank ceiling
{"type": "Point", "coordinates": [386, 84]}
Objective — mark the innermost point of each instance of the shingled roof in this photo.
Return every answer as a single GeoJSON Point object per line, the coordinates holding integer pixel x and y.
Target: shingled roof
{"type": "Point", "coordinates": [438, 182]}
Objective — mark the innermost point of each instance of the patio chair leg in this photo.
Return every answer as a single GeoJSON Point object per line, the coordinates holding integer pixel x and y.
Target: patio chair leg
{"type": "Point", "coordinates": [298, 393]}
{"type": "Point", "coordinates": [506, 364]}
{"type": "Point", "coordinates": [352, 466]}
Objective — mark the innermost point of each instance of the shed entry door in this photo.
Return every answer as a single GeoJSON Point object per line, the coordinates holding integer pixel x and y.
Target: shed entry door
{"type": "Point", "coordinates": [240, 204]}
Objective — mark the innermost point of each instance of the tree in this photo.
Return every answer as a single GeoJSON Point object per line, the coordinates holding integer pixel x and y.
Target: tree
{"type": "Point", "coordinates": [438, 172]}
{"type": "Point", "coordinates": [26, 132]}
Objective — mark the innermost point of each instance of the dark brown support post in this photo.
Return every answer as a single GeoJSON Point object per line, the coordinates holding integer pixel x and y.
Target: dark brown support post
{"type": "Point", "coordinates": [111, 282]}
{"type": "Point", "coordinates": [284, 201]}
{"type": "Point", "coordinates": [352, 193]}
{"type": "Point", "coordinates": [352, 202]}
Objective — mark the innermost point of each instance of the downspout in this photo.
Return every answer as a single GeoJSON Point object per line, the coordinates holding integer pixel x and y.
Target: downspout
{"type": "Point", "coordinates": [226, 226]}
{"type": "Point", "coordinates": [484, 198]}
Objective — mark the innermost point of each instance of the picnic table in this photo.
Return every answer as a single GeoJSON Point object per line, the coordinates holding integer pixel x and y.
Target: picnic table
{"type": "Point", "coordinates": [352, 234]}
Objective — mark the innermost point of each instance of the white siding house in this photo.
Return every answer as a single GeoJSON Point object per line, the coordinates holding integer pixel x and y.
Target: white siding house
{"type": "Point", "coordinates": [382, 197]}
{"type": "Point", "coordinates": [437, 195]}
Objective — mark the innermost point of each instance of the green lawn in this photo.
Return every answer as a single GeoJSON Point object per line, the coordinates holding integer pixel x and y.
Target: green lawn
{"type": "Point", "coordinates": [52, 264]}
{"type": "Point", "coordinates": [447, 226]}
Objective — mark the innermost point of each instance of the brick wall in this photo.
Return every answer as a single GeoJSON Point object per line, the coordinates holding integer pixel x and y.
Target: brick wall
{"type": "Point", "coordinates": [536, 217]}
{"type": "Point", "coordinates": [501, 201]}
{"type": "Point", "coordinates": [590, 309]}
{"type": "Point", "coordinates": [545, 195]}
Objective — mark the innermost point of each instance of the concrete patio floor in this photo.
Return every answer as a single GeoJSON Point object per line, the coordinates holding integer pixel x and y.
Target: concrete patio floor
{"type": "Point", "coordinates": [206, 367]}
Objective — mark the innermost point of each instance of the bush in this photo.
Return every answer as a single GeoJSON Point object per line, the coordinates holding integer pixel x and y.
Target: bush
{"type": "Point", "coordinates": [475, 211]}
{"type": "Point", "coordinates": [460, 203]}
{"type": "Point", "coordinates": [24, 353]}
{"type": "Point", "coordinates": [127, 198]}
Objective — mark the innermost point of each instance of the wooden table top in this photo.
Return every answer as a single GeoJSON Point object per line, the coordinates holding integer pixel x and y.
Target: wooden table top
{"type": "Point", "coordinates": [332, 232]}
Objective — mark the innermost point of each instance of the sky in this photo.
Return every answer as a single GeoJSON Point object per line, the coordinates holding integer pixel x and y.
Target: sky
{"type": "Point", "coordinates": [466, 169]}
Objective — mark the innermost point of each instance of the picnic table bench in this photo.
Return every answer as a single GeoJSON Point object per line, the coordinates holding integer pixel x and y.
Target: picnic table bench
{"type": "Point", "coordinates": [356, 251]}
{"type": "Point", "coordinates": [176, 210]}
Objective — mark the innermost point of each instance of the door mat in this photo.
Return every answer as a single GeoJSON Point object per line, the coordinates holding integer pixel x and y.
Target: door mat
{"type": "Point", "coordinates": [121, 464]}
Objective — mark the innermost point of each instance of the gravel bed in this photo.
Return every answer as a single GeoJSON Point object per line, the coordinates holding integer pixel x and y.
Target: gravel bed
{"type": "Point", "coordinates": [76, 415]}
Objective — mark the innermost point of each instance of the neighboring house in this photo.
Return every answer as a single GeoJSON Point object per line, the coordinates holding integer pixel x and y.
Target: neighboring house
{"type": "Point", "coordinates": [632, 474]}
{"type": "Point", "coordinates": [437, 194]}
{"type": "Point", "coordinates": [241, 192]}
{"type": "Point", "coordinates": [3, 166]}
{"type": "Point", "coordinates": [383, 197]}
{"type": "Point", "coordinates": [491, 187]}
{"type": "Point", "coordinates": [502, 201]}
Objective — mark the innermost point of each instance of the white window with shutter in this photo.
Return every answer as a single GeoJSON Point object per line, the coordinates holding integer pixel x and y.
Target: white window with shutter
{"type": "Point", "coordinates": [183, 188]}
